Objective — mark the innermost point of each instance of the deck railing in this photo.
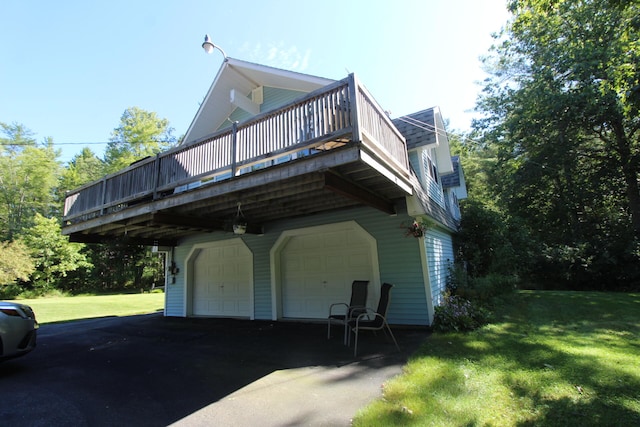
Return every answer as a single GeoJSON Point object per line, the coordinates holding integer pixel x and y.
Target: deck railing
{"type": "Point", "coordinates": [343, 111]}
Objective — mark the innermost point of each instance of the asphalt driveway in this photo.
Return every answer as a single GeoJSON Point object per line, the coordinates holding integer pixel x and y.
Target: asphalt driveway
{"type": "Point", "coordinates": [156, 371]}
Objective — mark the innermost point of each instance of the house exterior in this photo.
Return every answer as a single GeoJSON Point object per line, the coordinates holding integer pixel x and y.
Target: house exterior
{"type": "Point", "coordinates": [286, 188]}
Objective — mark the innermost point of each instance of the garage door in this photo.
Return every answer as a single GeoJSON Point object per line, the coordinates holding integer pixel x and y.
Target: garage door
{"type": "Point", "coordinates": [318, 269]}
{"type": "Point", "coordinates": [222, 281]}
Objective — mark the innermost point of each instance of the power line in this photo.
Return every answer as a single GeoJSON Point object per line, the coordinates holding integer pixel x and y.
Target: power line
{"type": "Point", "coordinates": [431, 128]}
{"type": "Point", "coordinates": [24, 144]}
{"type": "Point", "coordinates": [38, 144]}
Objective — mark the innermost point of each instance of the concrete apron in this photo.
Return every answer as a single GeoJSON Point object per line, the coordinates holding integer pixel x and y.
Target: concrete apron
{"type": "Point", "coordinates": [310, 396]}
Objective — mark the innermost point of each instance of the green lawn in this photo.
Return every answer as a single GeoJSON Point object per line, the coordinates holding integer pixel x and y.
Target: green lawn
{"type": "Point", "coordinates": [62, 309]}
{"type": "Point", "coordinates": [549, 359]}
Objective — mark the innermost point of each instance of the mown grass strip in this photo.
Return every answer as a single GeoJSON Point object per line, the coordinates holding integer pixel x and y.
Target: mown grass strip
{"type": "Point", "coordinates": [63, 309]}
{"type": "Point", "coordinates": [549, 358]}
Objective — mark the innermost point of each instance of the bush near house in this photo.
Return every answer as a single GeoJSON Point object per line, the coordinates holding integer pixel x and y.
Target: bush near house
{"type": "Point", "coordinates": [469, 302]}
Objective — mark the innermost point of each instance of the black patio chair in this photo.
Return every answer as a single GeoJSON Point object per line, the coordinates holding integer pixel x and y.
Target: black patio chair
{"type": "Point", "coordinates": [373, 320]}
{"type": "Point", "coordinates": [356, 306]}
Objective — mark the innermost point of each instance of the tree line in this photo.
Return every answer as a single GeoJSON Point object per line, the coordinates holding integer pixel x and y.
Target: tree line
{"type": "Point", "coordinates": [36, 257]}
{"type": "Point", "coordinates": [553, 160]}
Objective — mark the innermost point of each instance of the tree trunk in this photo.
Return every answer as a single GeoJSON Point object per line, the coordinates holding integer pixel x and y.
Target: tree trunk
{"type": "Point", "coordinates": [630, 174]}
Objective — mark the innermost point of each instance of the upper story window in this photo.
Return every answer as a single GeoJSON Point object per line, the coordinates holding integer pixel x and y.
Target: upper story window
{"type": "Point", "coordinates": [431, 178]}
{"type": "Point", "coordinates": [430, 167]}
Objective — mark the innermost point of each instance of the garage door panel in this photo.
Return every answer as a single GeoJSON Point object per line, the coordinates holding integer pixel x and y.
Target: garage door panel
{"type": "Point", "coordinates": [317, 271]}
{"type": "Point", "coordinates": [334, 262]}
{"type": "Point", "coordinates": [334, 239]}
{"type": "Point", "coordinates": [222, 281]}
{"type": "Point", "coordinates": [359, 260]}
{"type": "Point", "coordinates": [312, 264]}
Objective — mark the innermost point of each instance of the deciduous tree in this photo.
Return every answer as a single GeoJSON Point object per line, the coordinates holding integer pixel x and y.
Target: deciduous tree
{"type": "Point", "coordinates": [140, 134]}
{"type": "Point", "coordinates": [53, 255]}
{"type": "Point", "coordinates": [28, 176]}
{"type": "Point", "coordinates": [15, 263]}
{"type": "Point", "coordinates": [561, 107]}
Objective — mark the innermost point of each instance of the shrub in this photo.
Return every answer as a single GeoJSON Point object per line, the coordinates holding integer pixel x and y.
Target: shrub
{"type": "Point", "coordinates": [469, 300]}
{"type": "Point", "coordinates": [458, 314]}
{"type": "Point", "coordinates": [483, 290]}
{"type": "Point", "coordinates": [8, 292]}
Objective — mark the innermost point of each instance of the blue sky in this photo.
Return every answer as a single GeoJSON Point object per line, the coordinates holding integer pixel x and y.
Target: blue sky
{"type": "Point", "coordinates": [69, 69]}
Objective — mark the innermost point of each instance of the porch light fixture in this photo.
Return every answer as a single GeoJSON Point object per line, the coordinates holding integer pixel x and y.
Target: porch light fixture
{"type": "Point", "coordinates": [239, 222]}
{"type": "Point", "coordinates": [208, 46]}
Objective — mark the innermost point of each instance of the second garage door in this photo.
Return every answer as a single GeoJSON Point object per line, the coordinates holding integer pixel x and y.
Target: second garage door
{"type": "Point", "coordinates": [318, 269]}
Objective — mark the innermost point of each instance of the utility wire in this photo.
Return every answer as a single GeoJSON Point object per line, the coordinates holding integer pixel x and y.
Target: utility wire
{"type": "Point", "coordinates": [431, 128]}
{"type": "Point", "coordinates": [38, 144]}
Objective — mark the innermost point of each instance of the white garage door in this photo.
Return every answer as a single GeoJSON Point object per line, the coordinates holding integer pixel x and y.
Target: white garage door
{"type": "Point", "coordinates": [318, 269]}
{"type": "Point", "coordinates": [222, 281]}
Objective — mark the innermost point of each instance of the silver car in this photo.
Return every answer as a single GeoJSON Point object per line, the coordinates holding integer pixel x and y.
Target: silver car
{"type": "Point", "coordinates": [18, 330]}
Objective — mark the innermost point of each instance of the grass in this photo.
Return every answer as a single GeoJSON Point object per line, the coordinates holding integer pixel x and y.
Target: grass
{"type": "Point", "coordinates": [63, 309]}
{"type": "Point", "coordinates": [549, 359]}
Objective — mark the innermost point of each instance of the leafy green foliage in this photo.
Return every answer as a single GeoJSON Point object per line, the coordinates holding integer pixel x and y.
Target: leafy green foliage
{"type": "Point", "coordinates": [82, 169]}
{"type": "Point", "coordinates": [28, 176]}
{"type": "Point", "coordinates": [469, 301]}
{"type": "Point", "coordinates": [15, 262]}
{"type": "Point", "coordinates": [560, 112]}
{"type": "Point", "coordinates": [140, 134]}
{"type": "Point", "coordinates": [32, 191]}
{"type": "Point", "coordinates": [54, 256]}
{"type": "Point", "coordinates": [459, 315]}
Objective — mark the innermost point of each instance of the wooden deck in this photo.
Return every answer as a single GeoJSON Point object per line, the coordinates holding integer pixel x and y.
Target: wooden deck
{"type": "Point", "coordinates": [332, 149]}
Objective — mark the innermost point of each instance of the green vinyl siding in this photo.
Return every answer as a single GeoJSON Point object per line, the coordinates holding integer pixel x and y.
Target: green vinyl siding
{"type": "Point", "coordinates": [398, 257]}
{"type": "Point", "coordinates": [276, 97]}
{"type": "Point", "coordinates": [439, 250]}
{"type": "Point", "coordinates": [273, 98]}
{"type": "Point", "coordinates": [419, 160]}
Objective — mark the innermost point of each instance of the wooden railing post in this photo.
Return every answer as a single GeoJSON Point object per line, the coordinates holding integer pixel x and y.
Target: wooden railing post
{"type": "Point", "coordinates": [157, 176]}
{"type": "Point", "coordinates": [354, 107]}
{"type": "Point", "coordinates": [234, 147]}
{"type": "Point", "coordinates": [104, 195]}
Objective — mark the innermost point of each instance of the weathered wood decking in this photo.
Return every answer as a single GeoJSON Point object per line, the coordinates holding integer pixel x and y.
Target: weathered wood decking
{"type": "Point", "coordinates": [305, 138]}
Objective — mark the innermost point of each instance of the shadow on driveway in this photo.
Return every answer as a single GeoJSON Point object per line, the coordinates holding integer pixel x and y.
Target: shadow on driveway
{"type": "Point", "coordinates": [154, 371]}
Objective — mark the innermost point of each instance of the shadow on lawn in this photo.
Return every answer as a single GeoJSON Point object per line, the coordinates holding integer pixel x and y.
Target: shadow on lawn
{"type": "Point", "coordinates": [587, 344]}
{"type": "Point", "coordinates": [565, 360]}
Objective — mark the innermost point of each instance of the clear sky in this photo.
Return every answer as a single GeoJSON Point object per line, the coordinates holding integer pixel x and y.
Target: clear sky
{"type": "Point", "coordinates": [69, 69]}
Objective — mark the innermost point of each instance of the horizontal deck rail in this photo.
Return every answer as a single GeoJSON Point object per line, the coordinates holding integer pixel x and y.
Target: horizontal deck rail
{"type": "Point", "coordinates": [343, 111]}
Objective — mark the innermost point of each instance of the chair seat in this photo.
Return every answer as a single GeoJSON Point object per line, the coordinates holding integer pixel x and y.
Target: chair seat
{"type": "Point", "coordinates": [376, 323]}
{"type": "Point", "coordinates": [364, 321]}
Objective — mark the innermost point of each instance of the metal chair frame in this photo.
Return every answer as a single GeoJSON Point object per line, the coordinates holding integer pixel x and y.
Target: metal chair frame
{"type": "Point", "coordinates": [356, 306]}
{"type": "Point", "coordinates": [373, 320]}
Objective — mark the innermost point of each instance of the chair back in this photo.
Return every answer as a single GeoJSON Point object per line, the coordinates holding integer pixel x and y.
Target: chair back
{"type": "Point", "coordinates": [359, 293]}
{"type": "Point", "coordinates": [385, 298]}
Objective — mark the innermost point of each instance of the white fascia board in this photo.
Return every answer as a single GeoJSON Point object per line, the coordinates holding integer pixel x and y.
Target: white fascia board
{"type": "Point", "coordinates": [442, 149]}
